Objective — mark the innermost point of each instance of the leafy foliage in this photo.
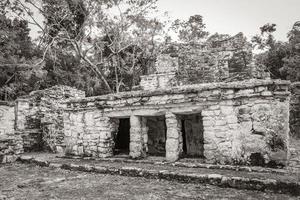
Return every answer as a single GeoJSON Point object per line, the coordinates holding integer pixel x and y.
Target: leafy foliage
{"type": "Point", "coordinates": [282, 59]}
{"type": "Point", "coordinates": [192, 30]}
{"type": "Point", "coordinates": [18, 70]}
{"type": "Point", "coordinates": [291, 65]}
{"type": "Point", "coordinates": [104, 46]}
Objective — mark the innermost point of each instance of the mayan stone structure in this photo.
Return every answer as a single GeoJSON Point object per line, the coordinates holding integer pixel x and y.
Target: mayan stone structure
{"type": "Point", "coordinates": [39, 118]}
{"type": "Point", "coordinates": [192, 105]}
{"type": "Point", "coordinates": [295, 125]}
{"type": "Point", "coordinates": [241, 122]}
{"type": "Point", "coordinates": [183, 64]}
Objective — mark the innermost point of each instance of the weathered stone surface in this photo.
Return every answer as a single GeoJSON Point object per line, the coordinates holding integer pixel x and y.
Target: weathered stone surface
{"type": "Point", "coordinates": [174, 137]}
{"type": "Point", "coordinates": [39, 118]}
{"type": "Point", "coordinates": [295, 126]}
{"type": "Point", "coordinates": [245, 129]}
{"type": "Point", "coordinates": [136, 137]}
{"type": "Point", "coordinates": [11, 144]}
{"type": "Point", "coordinates": [7, 118]}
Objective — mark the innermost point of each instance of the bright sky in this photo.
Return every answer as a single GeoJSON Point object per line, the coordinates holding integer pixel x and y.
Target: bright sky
{"type": "Point", "coordinates": [233, 16]}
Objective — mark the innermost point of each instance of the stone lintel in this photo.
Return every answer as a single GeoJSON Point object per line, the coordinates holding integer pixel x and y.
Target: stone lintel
{"type": "Point", "coordinates": [139, 112]}
{"type": "Point", "coordinates": [119, 114]}
{"type": "Point", "coordinates": [187, 110]}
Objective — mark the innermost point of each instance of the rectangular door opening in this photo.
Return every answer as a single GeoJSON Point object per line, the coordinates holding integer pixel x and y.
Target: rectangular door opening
{"type": "Point", "coordinates": [192, 136]}
{"type": "Point", "coordinates": [156, 143]}
{"type": "Point", "coordinates": [122, 138]}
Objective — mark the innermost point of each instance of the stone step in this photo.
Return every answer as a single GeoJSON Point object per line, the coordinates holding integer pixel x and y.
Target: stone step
{"type": "Point", "coordinates": [278, 186]}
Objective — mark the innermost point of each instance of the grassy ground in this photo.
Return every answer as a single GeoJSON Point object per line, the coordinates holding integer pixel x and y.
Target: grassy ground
{"type": "Point", "coordinates": [19, 181]}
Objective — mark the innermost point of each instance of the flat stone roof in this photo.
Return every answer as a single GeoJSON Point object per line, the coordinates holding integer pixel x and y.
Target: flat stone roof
{"type": "Point", "coordinates": [184, 89]}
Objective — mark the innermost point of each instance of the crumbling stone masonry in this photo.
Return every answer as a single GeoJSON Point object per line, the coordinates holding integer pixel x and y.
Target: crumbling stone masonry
{"type": "Point", "coordinates": [7, 118]}
{"type": "Point", "coordinates": [295, 125]}
{"type": "Point", "coordinates": [243, 122]}
{"type": "Point", "coordinates": [39, 118]}
{"type": "Point", "coordinates": [11, 144]}
{"type": "Point", "coordinates": [183, 64]}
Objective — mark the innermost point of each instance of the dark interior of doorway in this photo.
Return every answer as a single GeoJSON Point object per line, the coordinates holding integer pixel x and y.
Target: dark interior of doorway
{"type": "Point", "coordinates": [192, 136]}
{"type": "Point", "coordinates": [157, 131]}
{"type": "Point", "coordinates": [122, 138]}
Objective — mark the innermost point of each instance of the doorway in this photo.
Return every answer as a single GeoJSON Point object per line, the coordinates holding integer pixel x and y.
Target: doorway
{"type": "Point", "coordinates": [157, 130]}
{"type": "Point", "coordinates": [122, 138]}
{"type": "Point", "coordinates": [192, 135]}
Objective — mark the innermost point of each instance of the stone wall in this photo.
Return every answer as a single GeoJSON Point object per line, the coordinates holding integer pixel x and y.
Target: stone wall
{"type": "Point", "coordinates": [7, 118]}
{"type": "Point", "coordinates": [184, 64]}
{"type": "Point", "coordinates": [244, 122]}
{"type": "Point", "coordinates": [166, 64]}
{"type": "Point", "coordinates": [295, 125]}
{"type": "Point", "coordinates": [155, 81]}
{"type": "Point", "coordinates": [11, 145]}
{"type": "Point", "coordinates": [89, 133]}
{"type": "Point", "coordinates": [39, 118]}
{"type": "Point", "coordinates": [202, 66]}
{"type": "Point", "coordinates": [164, 74]}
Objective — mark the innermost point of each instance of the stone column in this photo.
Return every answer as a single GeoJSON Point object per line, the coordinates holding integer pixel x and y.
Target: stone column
{"type": "Point", "coordinates": [174, 137]}
{"type": "Point", "coordinates": [21, 109]}
{"type": "Point", "coordinates": [136, 137]}
{"type": "Point", "coordinates": [145, 135]}
{"type": "Point", "coordinates": [105, 142]}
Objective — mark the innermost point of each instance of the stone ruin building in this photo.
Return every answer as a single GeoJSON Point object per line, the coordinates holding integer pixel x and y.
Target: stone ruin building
{"type": "Point", "coordinates": [219, 119]}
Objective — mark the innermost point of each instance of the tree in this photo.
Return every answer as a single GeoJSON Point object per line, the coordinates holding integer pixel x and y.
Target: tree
{"type": "Point", "coordinates": [291, 66]}
{"type": "Point", "coordinates": [266, 39]}
{"type": "Point", "coordinates": [192, 30]}
{"type": "Point", "coordinates": [18, 72]}
{"type": "Point", "coordinates": [273, 51]}
{"type": "Point", "coordinates": [111, 38]}
{"type": "Point", "coordinates": [129, 41]}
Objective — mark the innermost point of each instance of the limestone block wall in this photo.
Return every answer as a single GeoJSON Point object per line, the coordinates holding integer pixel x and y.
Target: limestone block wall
{"type": "Point", "coordinates": [155, 81]}
{"type": "Point", "coordinates": [164, 73]}
{"type": "Point", "coordinates": [7, 118]}
{"type": "Point", "coordinates": [206, 63]}
{"type": "Point", "coordinates": [295, 125]}
{"type": "Point", "coordinates": [244, 122]}
{"type": "Point", "coordinates": [11, 145]}
{"type": "Point", "coordinates": [202, 66]}
{"type": "Point", "coordinates": [166, 64]}
{"type": "Point", "coordinates": [39, 118]}
{"type": "Point", "coordinates": [260, 138]}
{"type": "Point", "coordinates": [28, 123]}
{"type": "Point", "coordinates": [89, 133]}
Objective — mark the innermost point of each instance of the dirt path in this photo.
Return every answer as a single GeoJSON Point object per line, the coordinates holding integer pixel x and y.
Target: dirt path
{"type": "Point", "coordinates": [19, 181]}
